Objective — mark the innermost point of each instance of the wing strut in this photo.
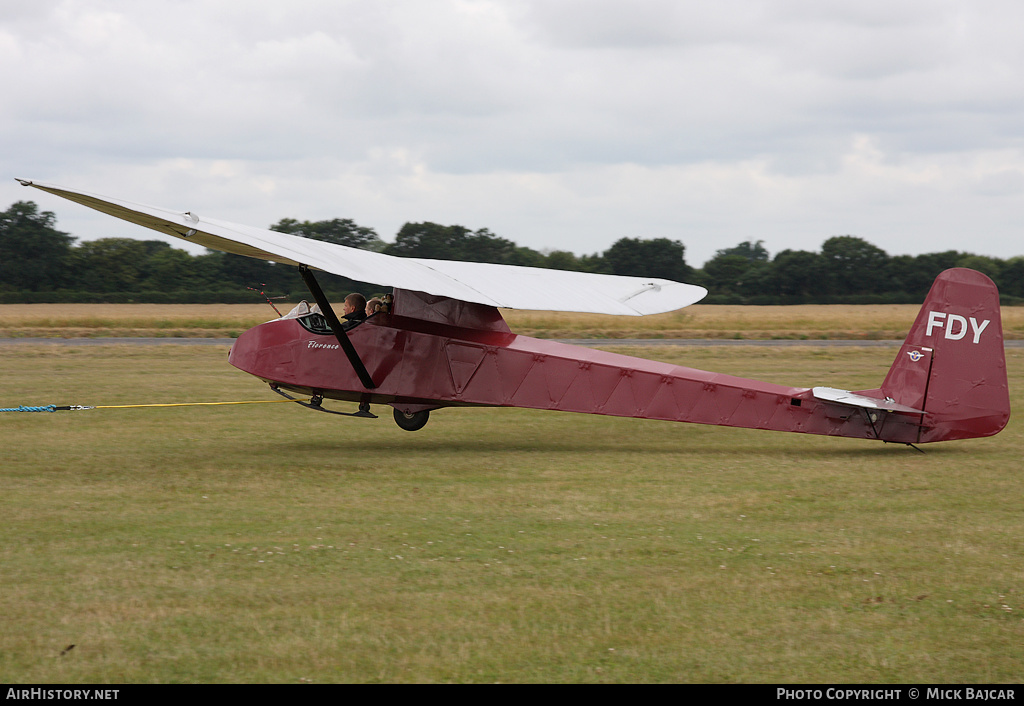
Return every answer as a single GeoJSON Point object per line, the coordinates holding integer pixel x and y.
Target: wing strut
{"type": "Point", "coordinates": [336, 326]}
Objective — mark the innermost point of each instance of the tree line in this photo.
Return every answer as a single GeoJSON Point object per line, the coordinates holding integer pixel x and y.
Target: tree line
{"type": "Point", "coordinates": [40, 263]}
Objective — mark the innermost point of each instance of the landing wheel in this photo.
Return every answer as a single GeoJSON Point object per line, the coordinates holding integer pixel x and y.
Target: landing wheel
{"type": "Point", "coordinates": [412, 422]}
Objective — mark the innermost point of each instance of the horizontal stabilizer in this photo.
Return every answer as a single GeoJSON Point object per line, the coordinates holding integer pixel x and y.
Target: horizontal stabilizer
{"type": "Point", "coordinates": [852, 399]}
{"type": "Point", "coordinates": [503, 286]}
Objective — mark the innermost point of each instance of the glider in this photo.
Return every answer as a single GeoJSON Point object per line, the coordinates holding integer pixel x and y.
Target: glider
{"type": "Point", "coordinates": [443, 343]}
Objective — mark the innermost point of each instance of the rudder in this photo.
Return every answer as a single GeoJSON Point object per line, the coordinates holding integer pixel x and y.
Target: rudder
{"type": "Point", "coordinates": [952, 364]}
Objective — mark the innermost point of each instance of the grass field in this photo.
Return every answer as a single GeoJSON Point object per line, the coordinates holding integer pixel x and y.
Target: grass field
{"type": "Point", "coordinates": [871, 322]}
{"type": "Point", "coordinates": [267, 543]}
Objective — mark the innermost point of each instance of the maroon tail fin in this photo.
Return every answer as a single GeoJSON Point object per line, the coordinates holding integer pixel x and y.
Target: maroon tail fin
{"type": "Point", "coordinates": [952, 364]}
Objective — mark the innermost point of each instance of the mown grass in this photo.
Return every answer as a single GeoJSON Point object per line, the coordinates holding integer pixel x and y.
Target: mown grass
{"type": "Point", "coordinates": [271, 544]}
{"type": "Point", "coordinates": [872, 322]}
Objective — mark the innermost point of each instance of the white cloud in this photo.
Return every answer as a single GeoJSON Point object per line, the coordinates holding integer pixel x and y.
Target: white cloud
{"type": "Point", "coordinates": [562, 123]}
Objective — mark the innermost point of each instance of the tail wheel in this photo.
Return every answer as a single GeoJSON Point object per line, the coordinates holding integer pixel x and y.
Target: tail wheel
{"type": "Point", "coordinates": [412, 422]}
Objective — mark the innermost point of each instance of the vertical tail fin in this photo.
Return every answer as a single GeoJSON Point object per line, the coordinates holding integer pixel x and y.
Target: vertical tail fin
{"type": "Point", "coordinates": [952, 364]}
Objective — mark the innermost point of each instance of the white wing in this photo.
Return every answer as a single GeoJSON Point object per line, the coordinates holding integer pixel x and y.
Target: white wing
{"type": "Point", "coordinates": [506, 286]}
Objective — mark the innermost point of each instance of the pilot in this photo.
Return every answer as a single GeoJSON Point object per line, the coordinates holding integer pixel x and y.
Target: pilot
{"type": "Point", "coordinates": [373, 306]}
{"type": "Point", "coordinates": [355, 307]}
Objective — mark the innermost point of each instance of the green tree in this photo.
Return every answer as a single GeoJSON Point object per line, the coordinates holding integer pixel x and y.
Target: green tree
{"type": "Point", "coordinates": [760, 283]}
{"type": "Point", "coordinates": [723, 274]}
{"type": "Point", "coordinates": [34, 255]}
{"type": "Point", "coordinates": [527, 257]}
{"type": "Point", "coordinates": [914, 274]}
{"type": "Point", "coordinates": [595, 263]}
{"type": "Point", "coordinates": [726, 272]}
{"type": "Point", "coordinates": [801, 274]}
{"type": "Point", "coordinates": [855, 266]}
{"type": "Point", "coordinates": [236, 272]}
{"type": "Point", "coordinates": [990, 266]}
{"type": "Point", "coordinates": [749, 251]}
{"type": "Point", "coordinates": [485, 246]}
{"type": "Point", "coordinates": [110, 264]}
{"type": "Point", "coordinates": [340, 231]}
{"type": "Point", "coordinates": [660, 257]}
{"type": "Point", "coordinates": [1012, 281]}
{"type": "Point", "coordinates": [172, 270]}
{"type": "Point", "coordinates": [438, 242]}
{"type": "Point", "coordinates": [561, 260]}
{"type": "Point", "coordinates": [429, 240]}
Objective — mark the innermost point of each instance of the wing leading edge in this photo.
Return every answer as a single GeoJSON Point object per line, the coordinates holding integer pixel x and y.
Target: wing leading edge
{"type": "Point", "coordinates": [504, 286]}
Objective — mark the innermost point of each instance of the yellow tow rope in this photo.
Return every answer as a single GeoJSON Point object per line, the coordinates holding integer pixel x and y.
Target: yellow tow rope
{"type": "Point", "coordinates": [186, 404]}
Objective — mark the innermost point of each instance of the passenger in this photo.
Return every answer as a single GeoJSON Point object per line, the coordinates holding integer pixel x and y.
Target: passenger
{"type": "Point", "coordinates": [373, 306]}
{"type": "Point", "coordinates": [355, 307]}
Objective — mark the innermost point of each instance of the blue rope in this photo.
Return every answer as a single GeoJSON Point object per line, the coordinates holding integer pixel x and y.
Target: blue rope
{"type": "Point", "coordinates": [23, 408]}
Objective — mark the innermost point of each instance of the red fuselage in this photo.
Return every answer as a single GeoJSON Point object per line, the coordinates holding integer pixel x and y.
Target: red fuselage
{"type": "Point", "coordinates": [434, 352]}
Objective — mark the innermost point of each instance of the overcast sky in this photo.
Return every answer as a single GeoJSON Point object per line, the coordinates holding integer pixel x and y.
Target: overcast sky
{"type": "Point", "coordinates": [558, 124]}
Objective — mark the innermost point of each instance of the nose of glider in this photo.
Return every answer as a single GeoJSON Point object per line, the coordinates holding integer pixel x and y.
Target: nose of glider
{"type": "Point", "coordinates": [243, 351]}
